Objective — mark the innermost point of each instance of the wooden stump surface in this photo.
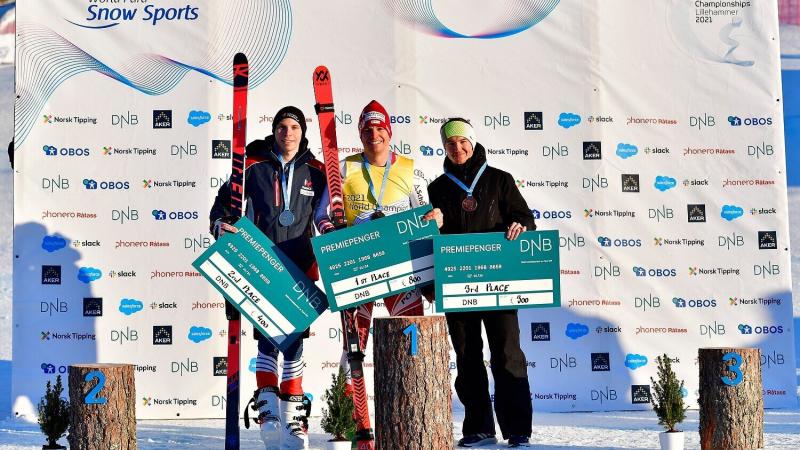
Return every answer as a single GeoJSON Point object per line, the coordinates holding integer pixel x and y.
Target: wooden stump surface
{"type": "Point", "coordinates": [109, 426]}
{"type": "Point", "coordinates": [412, 393]}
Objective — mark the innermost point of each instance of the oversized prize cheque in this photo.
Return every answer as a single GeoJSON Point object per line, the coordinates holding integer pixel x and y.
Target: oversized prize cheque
{"type": "Point", "coordinates": [485, 271]}
{"type": "Point", "coordinates": [262, 283]}
{"type": "Point", "coordinates": [376, 259]}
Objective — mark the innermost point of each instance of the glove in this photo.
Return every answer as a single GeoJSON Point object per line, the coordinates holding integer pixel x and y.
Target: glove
{"type": "Point", "coordinates": [224, 225]}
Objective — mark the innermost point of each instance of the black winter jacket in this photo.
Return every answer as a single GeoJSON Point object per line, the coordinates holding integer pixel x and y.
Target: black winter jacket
{"type": "Point", "coordinates": [262, 190]}
{"type": "Point", "coordinates": [499, 201]}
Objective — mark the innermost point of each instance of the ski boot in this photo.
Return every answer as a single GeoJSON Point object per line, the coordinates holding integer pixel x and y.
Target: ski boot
{"type": "Point", "coordinates": [295, 410]}
{"type": "Point", "coordinates": [265, 403]}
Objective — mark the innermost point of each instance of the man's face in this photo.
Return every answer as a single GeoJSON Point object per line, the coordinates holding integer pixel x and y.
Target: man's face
{"type": "Point", "coordinates": [288, 135]}
{"type": "Point", "coordinates": [459, 149]}
{"type": "Point", "coordinates": [375, 139]}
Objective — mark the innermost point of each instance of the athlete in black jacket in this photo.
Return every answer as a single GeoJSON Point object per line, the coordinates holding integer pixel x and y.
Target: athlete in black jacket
{"type": "Point", "coordinates": [494, 204]}
{"type": "Point", "coordinates": [283, 185]}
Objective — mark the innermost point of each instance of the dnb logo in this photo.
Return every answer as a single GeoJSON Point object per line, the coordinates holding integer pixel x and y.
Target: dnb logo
{"type": "Point", "coordinates": [421, 16]}
{"type": "Point", "coordinates": [600, 362]}
{"type": "Point", "coordinates": [51, 274]}
{"type": "Point", "coordinates": [640, 394]}
{"type": "Point", "coordinates": [162, 118]}
{"type": "Point", "coordinates": [220, 149]}
{"type": "Point", "coordinates": [540, 331]}
{"type": "Point", "coordinates": [162, 335]}
{"type": "Point", "coordinates": [220, 366]}
{"type": "Point", "coordinates": [533, 120]}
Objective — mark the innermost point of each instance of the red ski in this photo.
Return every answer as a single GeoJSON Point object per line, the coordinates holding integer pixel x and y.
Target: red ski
{"type": "Point", "coordinates": [323, 94]}
{"type": "Point", "coordinates": [240, 78]}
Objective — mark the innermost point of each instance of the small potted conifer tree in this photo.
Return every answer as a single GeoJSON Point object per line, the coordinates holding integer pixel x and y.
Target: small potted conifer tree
{"type": "Point", "coordinates": [53, 415]}
{"type": "Point", "coordinates": [337, 418]}
{"type": "Point", "coordinates": [668, 404]}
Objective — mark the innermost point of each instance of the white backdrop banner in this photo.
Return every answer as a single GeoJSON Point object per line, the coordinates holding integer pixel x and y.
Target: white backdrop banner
{"type": "Point", "coordinates": [648, 132]}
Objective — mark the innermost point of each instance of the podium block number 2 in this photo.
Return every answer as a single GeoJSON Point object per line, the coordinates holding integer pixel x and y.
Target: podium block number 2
{"type": "Point", "coordinates": [93, 397]}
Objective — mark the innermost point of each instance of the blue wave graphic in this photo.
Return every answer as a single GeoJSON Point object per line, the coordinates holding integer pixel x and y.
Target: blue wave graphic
{"type": "Point", "coordinates": [260, 29]}
{"type": "Point", "coordinates": [518, 16]}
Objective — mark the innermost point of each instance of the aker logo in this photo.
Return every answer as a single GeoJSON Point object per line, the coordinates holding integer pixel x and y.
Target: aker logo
{"type": "Point", "coordinates": [89, 274]}
{"type": "Point", "coordinates": [534, 120]}
{"type": "Point", "coordinates": [220, 149]}
{"type": "Point", "coordinates": [601, 362]}
{"type": "Point", "coordinates": [767, 240]}
{"type": "Point", "coordinates": [199, 334]}
{"type": "Point", "coordinates": [162, 335]}
{"type": "Point", "coordinates": [625, 151]}
{"type": "Point", "coordinates": [220, 366]}
{"type": "Point", "coordinates": [540, 331]}
{"type": "Point", "coordinates": [736, 121]}
{"type": "Point", "coordinates": [50, 150]}
{"type": "Point", "coordinates": [197, 118]}
{"type": "Point", "coordinates": [51, 274]}
{"type": "Point", "coordinates": [53, 243]}
{"type": "Point", "coordinates": [731, 212]}
{"type": "Point", "coordinates": [91, 184]}
{"type": "Point", "coordinates": [92, 306]}
{"type": "Point", "coordinates": [568, 120]}
{"type": "Point", "coordinates": [576, 331]}
{"type": "Point", "coordinates": [640, 394]}
{"type": "Point", "coordinates": [630, 182]}
{"type": "Point", "coordinates": [664, 183]}
{"type": "Point", "coordinates": [634, 361]}
{"type": "Point", "coordinates": [162, 118]}
{"type": "Point", "coordinates": [766, 329]}
{"type": "Point", "coordinates": [592, 150]}
{"type": "Point", "coordinates": [160, 214]}
{"type": "Point", "coordinates": [696, 213]}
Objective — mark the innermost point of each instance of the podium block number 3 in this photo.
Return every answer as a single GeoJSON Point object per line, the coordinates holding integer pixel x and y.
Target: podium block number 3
{"type": "Point", "coordinates": [93, 397]}
{"type": "Point", "coordinates": [735, 377]}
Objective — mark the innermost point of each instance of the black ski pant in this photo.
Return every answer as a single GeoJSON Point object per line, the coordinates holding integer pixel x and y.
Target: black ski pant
{"type": "Point", "coordinates": [512, 396]}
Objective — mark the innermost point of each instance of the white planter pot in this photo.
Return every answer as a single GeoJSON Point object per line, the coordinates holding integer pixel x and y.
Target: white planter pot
{"type": "Point", "coordinates": [338, 445]}
{"type": "Point", "coordinates": [671, 441]}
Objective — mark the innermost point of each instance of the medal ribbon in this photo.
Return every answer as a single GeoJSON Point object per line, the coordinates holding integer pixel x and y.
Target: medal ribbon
{"type": "Point", "coordinates": [378, 198]}
{"type": "Point", "coordinates": [285, 184]}
{"type": "Point", "coordinates": [463, 186]}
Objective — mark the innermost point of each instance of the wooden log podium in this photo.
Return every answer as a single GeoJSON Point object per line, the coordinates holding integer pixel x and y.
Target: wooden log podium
{"type": "Point", "coordinates": [102, 401]}
{"type": "Point", "coordinates": [731, 399]}
{"type": "Point", "coordinates": [412, 384]}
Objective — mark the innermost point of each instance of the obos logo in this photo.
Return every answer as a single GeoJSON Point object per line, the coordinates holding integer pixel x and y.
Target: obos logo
{"type": "Point", "coordinates": [553, 214]}
{"type": "Point", "coordinates": [736, 121]}
{"type": "Point", "coordinates": [600, 362]}
{"type": "Point", "coordinates": [50, 150]}
{"type": "Point", "coordinates": [766, 329]}
{"type": "Point", "coordinates": [160, 214]}
{"type": "Point", "coordinates": [399, 119]}
{"type": "Point", "coordinates": [643, 272]}
{"type": "Point", "coordinates": [568, 120]}
{"type": "Point", "coordinates": [91, 184]}
{"type": "Point", "coordinates": [576, 331]}
{"type": "Point", "coordinates": [635, 361]}
{"type": "Point", "coordinates": [608, 242]}
{"type": "Point", "coordinates": [427, 150]}
{"type": "Point", "coordinates": [540, 331]}
{"type": "Point", "coordinates": [694, 303]}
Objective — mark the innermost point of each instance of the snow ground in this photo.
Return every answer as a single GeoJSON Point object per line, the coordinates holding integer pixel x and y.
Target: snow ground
{"type": "Point", "coordinates": [587, 431]}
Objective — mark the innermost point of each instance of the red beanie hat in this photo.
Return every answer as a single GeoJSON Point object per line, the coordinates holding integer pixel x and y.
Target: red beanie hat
{"type": "Point", "coordinates": [374, 114]}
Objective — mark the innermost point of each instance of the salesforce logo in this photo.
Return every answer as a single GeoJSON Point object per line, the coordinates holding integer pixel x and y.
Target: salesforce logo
{"type": "Point", "coordinates": [53, 243]}
{"type": "Point", "coordinates": [625, 151]}
{"type": "Point", "coordinates": [89, 274]}
{"type": "Point", "coordinates": [634, 361]}
{"type": "Point", "coordinates": [129, 306]}
{"type": "Point", "coordinates": [731, 212]}
{"type": "Point", "coordinates": [664, 184]}
{"type": "Point", "coordinates": [101, 17]}
{"type": "Point", "coordinates": [576, 330]}
{"type": "Point", "coordinates": [568, 120]}
{"type": "Point", "coordinates": [199, 334]}
{"type": "Point", "coordinates": [197, 118]}
{"type": "Point", "coordinates": [252, 366]}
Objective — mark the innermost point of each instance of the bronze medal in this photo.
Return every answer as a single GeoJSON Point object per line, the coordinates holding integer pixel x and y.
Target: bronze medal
{"type": "Point", "coordinates": [469, 204]}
